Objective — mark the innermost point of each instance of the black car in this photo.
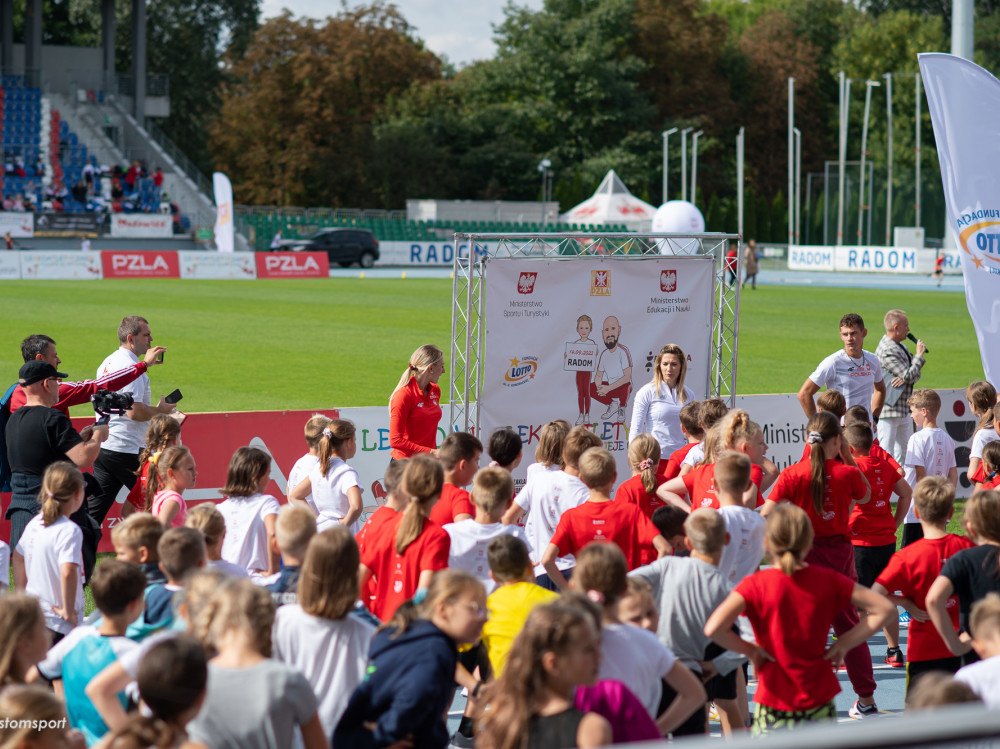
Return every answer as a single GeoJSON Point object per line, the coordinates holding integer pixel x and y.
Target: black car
{"type": "Point", "coordinates": [342, 246]}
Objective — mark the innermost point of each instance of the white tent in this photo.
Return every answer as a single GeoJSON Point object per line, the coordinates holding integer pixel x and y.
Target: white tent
{"type": "Point", "coordinates": [612, 203]}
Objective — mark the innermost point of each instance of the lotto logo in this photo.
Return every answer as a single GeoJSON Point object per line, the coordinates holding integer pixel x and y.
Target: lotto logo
{"type": "Point", "coordinates": [526, 283]}
{"type": "Point", "coordinates": [668, 280]}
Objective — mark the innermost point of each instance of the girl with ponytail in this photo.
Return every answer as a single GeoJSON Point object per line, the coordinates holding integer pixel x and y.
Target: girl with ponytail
{"type": "Point", "coordinates": [334, 485]}
{"type": "Point", "coordinates": [644, 460]}
{"type": "Point", "coordinates": [796, 682]}
{"type": "Point", "coordinates": [40, 561]}
{"type": "Point", "coordinates": [411, 548]}
{"type": "Point", "coordinates": [164, 431]}
{"type": "Point", "coordinates": [827, 488]}
{"type": "Point", "coordinates": [415, 405]}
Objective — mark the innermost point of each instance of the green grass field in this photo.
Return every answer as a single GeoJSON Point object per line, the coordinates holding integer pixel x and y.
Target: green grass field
{"type": "Point", "coordinates": [263, 345]}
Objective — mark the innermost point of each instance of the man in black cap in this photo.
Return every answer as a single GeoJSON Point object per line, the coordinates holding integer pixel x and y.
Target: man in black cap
{"type": "Point", "coordinates": [39, 435]}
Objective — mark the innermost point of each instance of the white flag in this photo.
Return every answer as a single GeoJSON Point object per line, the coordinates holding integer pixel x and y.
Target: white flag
{"type": "Point", "coordinates": [964, 102]}
{"type": "Point", "coordinates": [224, 239]}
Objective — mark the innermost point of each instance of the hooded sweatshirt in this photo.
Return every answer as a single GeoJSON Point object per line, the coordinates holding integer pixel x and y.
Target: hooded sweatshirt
{"type": "Point", "coordinates": [406, 691]}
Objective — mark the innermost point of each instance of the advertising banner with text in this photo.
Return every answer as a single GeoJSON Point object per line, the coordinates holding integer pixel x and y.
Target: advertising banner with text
{"type": "Point", "coordinates": [60, 265]}
{"type": "Point", "coordinates": [293, 265]}
{"type": "Point", "coordinates": [216, 265]}
{"type": "Point", "coordinates": [422, 253]}
{"type": "Point", "coordinates": [142, 225]}
{"type": "Point", "coordinates": [140, 264]}
{"type": "Point", "coordinates": [575, 339]}
{"type": "Point", "coordinates": [17, 223]}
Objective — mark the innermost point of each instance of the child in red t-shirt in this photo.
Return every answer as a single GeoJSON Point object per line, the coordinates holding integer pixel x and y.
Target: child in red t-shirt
{"type": "Point", "coordinates": [859, 415]}
{"type": "Point", "coordinates": [796, 683]}
{"type": "Point", "coordinates": [990, 466]}
{"type": "Point", "coordinates": [827, 488]}
{"type": "Point", "coordinates": [409, 548]}
{"type": "Point", "coordinates": [873, 524]}
{"type": "Point", "coordinates": [691, 427]}
{"type": "Point", "coordinates": [459, 455]}
{"type": "Point", "coordinates": [640, 490]}
{"type": "Point", "coordinates": [911, 572]}
{"type": "Point", "coordinates": [383, 517]}
{"type": "Point", "coordinates": [600, 519]}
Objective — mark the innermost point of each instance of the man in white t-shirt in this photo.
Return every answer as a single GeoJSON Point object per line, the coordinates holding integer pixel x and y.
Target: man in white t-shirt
{"type": "Point", "coordinates": [612, 384]}
{"type": "Point", "coordinates": [853, 371]}
{"type": "Point", "coordinates": [118, 461]}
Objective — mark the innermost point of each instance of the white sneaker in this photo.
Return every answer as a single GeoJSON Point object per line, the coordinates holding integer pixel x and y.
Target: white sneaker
{"type": "Point", "coordinates": [620, 416]}
{"type": "Point", "coordinates": [861, 712]}
{"type": "Point", "coordinates": [579, 420]}
{"type": "Point", "coordinates": [612, 408]}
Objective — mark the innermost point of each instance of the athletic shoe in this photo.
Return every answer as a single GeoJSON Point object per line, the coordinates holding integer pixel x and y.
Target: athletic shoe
{"type": "Point", "coordinates": [904, 618]}
{"type": "Point", "coordinates": [713, 712]}
{"type": "Point", "coordinates": [460, 741]}
{"type": "Point", "coordinates": [894, 657]}
{"type": "Point", "coordinates": [612, 408]}
{"type": "Point", "coordinates": [860, 712]}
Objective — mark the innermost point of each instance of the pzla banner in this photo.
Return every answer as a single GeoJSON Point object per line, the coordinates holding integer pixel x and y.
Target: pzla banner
{"type": "Point", "coordinates": [964, 102]}
{"type": "Point", "coordinates": [575, 339]}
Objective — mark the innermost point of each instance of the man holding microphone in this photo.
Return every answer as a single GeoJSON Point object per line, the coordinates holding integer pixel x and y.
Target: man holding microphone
{"type": "Point", "coordinates": [895, 425]}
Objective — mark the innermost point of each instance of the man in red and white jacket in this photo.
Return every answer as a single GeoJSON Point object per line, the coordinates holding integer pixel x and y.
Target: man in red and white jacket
{"type": "Point", "coordinates": [43, 348]}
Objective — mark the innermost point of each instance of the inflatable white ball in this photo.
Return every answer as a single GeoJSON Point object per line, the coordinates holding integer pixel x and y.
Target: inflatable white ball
{"type": "Point", "coordinates": [678, 217]}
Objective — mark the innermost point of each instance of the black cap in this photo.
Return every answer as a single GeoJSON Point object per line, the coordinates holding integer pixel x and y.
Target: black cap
{"type": "Point", "coordinates": [37, 370]}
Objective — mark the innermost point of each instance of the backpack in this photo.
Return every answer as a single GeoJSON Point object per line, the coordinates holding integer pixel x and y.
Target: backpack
{"type": "Point", "coordinates": [5, 472]}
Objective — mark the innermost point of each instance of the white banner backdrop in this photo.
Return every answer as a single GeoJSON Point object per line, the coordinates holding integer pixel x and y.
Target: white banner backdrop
{"type": "Point", "coordinates": [142, 225]}
{"type": "Point", "coordinates": [224, 239]}
{"type": "Point", "coordinates": [60, 265]}
{"type": "Point", "coordinates": [215, 265]}
{"type": "Point", "coordinates": [10, 266]}
{"type": "Point", "coordinates": [540, 362]}
{"type": "Point", "coordinates": [967, 152]}
{"type": "Point", "coordinates": [17, 223]}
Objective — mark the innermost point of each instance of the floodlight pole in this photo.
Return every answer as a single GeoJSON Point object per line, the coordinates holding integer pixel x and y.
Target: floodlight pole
{"type": "Point", "coordinates": [888, 176]}
{"type": "Point", "coordinates": [694, 166]}
{"type": "Point", "coordinates": [684, 162]}
{"type": "Point", "coordinates": [869, 85]}
{"type": "Point", "coordinates": [798, 186]}
{"type": "Point", "coordinates": [543, 167]}
{"type": "Point", "coordinates": [666, 158]}
{"type": "Point", "coordinates": [791, 160]}
{"type": "Point", "coordinates": [740, 137]}
{"type": "Point", "coordinates": [845, 101]}
{"type": "Point", "coordinates": [917, 153]}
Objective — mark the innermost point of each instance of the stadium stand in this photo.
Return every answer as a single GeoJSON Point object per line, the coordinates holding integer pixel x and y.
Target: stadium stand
{"type": "Point", "coordinates": [40, 149]}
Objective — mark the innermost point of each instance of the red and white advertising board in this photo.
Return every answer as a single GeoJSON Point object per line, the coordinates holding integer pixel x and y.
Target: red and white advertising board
{"type": "Point", "coordinates": [293, 265]}
{"type": "Point", "coordinates": [214, 437]}
{"type": "Point", "coordinates": [140, 264]}
{"type": "Point", "coordinates": [142, 225]}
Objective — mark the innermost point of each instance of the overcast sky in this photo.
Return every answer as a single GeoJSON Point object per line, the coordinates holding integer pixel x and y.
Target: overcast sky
{"type": "Point", "coordinates": [460, 30]}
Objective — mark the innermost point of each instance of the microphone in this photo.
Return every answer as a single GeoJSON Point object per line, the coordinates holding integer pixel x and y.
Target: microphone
{"type": "Point", "coordinates": [914, 339]}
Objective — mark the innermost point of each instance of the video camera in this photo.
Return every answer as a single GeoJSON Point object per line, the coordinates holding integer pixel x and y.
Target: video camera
{"type": "Point", "coordinates": [108, 402]}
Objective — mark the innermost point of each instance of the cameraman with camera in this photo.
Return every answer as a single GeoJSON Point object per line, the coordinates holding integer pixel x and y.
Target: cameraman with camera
{"type": "Point", "coordinates": [118, 461]}
{"type": "Point", "coordinates": [39, 435]}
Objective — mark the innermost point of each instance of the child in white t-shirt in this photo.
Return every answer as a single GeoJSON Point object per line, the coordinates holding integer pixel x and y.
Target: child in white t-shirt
{"type": "Point", "coordinates": [207, 519]}
{"type": "Point", "coordinates": [632, 655]}
{"type": "Point", "coordinates": [980, 440]}
{"type": "Point", "coordinates": [4, 563]}
{"type": "Point", "coordinates": [317, 635]}
{"type": "Point", "coordinates": [250, 514]}
{"type": "Point", "coordinates": [48, 560]}
{"type": "Point", "coordinates": [492, 494]}
{"type": "Point", "coordinates": [547, 495]}
{"type": "Point", "coordinates": [334, 485]}
{"type": "Point", "coordinates": [746, 528]}
{"type": "Point", "coordinates": [929, 452]}
{"type": "Point", "coordinates": [983, 677]}
{"type": "Point", "coordinates": [305, 465]}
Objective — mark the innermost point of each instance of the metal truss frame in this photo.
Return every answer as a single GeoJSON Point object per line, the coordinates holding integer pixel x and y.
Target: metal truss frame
{"type": "Point", "coordinates": [469, 285]}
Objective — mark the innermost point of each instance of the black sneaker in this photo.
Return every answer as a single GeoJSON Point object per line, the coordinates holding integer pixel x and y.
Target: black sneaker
{"type": "Point", "coordinates": [894, 657]}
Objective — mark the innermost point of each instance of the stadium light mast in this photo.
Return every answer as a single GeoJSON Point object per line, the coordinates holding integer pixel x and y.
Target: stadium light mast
{"type": "Point", "coordinates": [962, 41]}
{"type": "Point", "coordinates": [791, 161]}
{"type": "Point", "coordinates": [694, 166]}
{"type": "Point", "coordinates": [740, 137]}
{"type": "Point", "coordinates": [684, 162]}
{"type": "Point", "coordinates": [798, 186]}
{"type": "Point", "coordinates": [869, 85]}
{"type": "Point", "coordinates": [888, 166]}
{"type": "Point", "coordinates": [845, 102]}
{"type": "Point", "coordinates": [666, 158]}
{"type": "Point", "coordinates": [543, 167]}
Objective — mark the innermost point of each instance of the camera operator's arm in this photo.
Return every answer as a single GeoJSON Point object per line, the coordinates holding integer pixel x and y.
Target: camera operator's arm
{"type": "Point", "coordinates": [84, 453]}
{"type": "Point", "coordinates": [142, 412]}
{"type": "Point", "coordinates": [75, 393]}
